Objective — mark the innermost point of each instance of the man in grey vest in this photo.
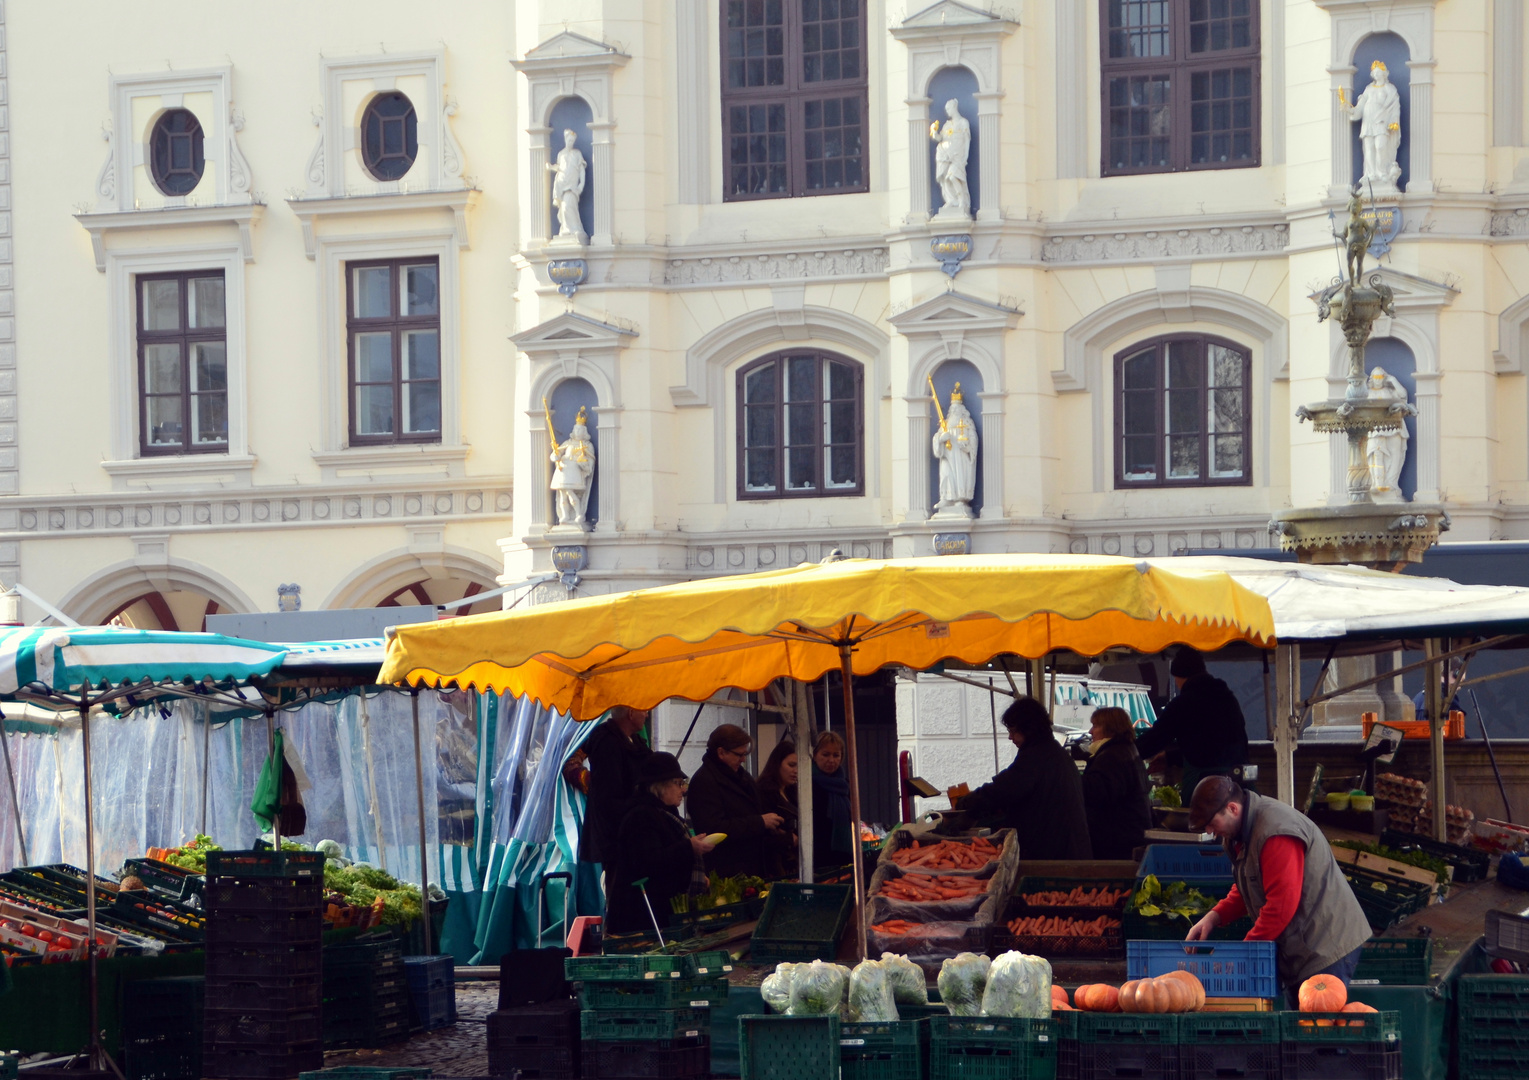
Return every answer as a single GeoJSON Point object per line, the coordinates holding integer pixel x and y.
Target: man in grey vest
{"type": "Point", "coordinates": [1285, 876]}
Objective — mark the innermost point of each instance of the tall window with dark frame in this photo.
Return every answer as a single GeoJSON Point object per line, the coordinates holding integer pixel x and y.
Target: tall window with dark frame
{"type": "Point", "coordinates": [394, 329]}
{"type": "Point", "coordinates": [800, 429]}
{"type": "Point", "coordinates": [1183, 414]}
{"type": "Point", "coordinates": [1180, 85]}
{"type": "Point", "coordinates": [794, 98]}
{"type": "Point", "coordinates": [182, 364]}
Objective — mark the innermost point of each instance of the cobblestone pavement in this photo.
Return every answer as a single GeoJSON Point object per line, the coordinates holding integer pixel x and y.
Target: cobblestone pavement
{"type": "Point", "coordinates": [457, 1051]}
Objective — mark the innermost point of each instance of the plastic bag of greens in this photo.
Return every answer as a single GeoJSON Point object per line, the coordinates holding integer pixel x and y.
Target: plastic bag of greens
{"type": "Point", "coordinates": [962, 980]}
{"type": "Point", "coordinates": [817, 989]}
{"type": "Point", "coordinates": [870, 993]}
{"type": "Point", "coordinates": [1018, 985]}
{"type": "Point", "coordinates": [906, 978]}
{"type": "Point", "coordinates": [776, 988]}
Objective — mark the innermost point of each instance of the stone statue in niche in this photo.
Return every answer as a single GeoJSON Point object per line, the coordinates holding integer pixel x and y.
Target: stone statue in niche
{"type": "Point", "coordinates": [573, 473]}
{"type": "Point", "coordinates": [1387, 450]}
{"type": "Point", "coordinates": [567, 186]}
{"type": "Point", "coordinates": [1378, 111]}
{"type": "Point", "coordinates": [954, 141]}
{"type": "Point", "coordinates": [955, 448]}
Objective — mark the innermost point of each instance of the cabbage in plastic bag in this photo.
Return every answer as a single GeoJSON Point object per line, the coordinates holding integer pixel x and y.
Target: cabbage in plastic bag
{"type": "Point", "coordinates": [1018, 985]}
{"type": "Point", "coordinates": [870, 993]}
{"type": "Point", "coordinates": [817, 989]}
{"type": "Point", "coordinates": [907, 979]}
{"type": "Point", "coordinates": [776, 988]}
{"type": "Point", "coordinates": [963, 978]}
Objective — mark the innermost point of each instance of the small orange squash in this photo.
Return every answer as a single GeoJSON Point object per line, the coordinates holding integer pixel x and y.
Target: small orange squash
{"type": "Point", "coordinates": [1323, 993]}
{"type": "Point", "coordinates": [1060, 994]}
{"type": "Point", "coordinates": [1058, 1005]}
{"type": "Point", "coordinates": [1098, 997]}
{"type": "Point", "coordinates": [1359, 1006]}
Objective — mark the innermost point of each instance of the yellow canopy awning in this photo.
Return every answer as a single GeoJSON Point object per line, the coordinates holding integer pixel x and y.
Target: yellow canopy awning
{"type": "Point", "coordinates": [692, 639]}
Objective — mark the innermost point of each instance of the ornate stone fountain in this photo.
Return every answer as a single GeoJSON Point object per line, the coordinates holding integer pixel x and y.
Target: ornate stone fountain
{"type": "Point", "coordinates": [1384, 533]}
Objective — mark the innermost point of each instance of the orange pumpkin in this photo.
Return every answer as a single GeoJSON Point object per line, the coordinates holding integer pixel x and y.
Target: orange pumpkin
{"type": "Point", "coordinates": [1157, 995]}
{"type": "Point", "coordinates": [1323, 993]}
{"type": "Point", "coordinates": [1058, 1005]}
{"type": "Point", "coordinates": [1359, 1006]}
{"type": "Point", "coordinates": [1196, 987]}
{"type": "Point", "coordinates": [1059, 994]}
{"type": "Point", "coordinates": [1097, 997]}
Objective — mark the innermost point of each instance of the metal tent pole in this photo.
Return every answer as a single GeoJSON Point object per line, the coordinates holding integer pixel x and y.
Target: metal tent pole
{"type": "Point", "coordinates": [96, 1051]}
{"type": "Point", "coordinates": [10, 776]}
{"type": "Point", "coordinates": [801, 700]}
{"type": "Point", "coordinates": [1435, 704]}
{"type": "Point", "coordinates": [206, 765]}
{"type": "Point", "coordinates": [270, 742]}
{"type": "Point", "coordinates": [852, 762]}
{"type": "Point", "coordinates": [424, 855]}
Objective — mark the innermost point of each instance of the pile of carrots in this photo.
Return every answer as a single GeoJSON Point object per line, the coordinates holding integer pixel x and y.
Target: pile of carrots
{"type": "Point", "coordinates": [899, 926]}
{"type": "Point", "coordinates": [946, 855]}
{"type": "Point", "coordinates": [1056, 926]}
{"type": "Point", "coordinates": [921, 889]}
{"type": "Point", "coordinates": [1079, 897]}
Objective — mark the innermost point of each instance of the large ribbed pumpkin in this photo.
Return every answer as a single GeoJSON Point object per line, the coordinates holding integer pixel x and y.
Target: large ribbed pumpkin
{"type": "Point", "coordinates": [1323, 993]}
{"type": "Point", "coordinates": [1196, 987]}
{"type": "Point", "coordinates": [1158, 995]}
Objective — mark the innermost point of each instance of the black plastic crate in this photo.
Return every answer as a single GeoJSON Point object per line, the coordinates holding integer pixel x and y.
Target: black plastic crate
{"type": "Point", "coordinates": [535, 1062]}
{"type": "Point", "coordinates": [261, 1062]}
{"type": "Point", "coordinates": [160, 916]}
{"type": "Point", "coordinates": [1340, 1061]}
{"type": "Point", "coordinates": [677, 1059]}
{"type": "Point", "coordinates": [248, 1025]}
{"type": "Point", "coordinates": [387, 980]}
{"type": "Point", "coordinates": [367, 1033]}
{"type": "Point", "coordinates": [1471, 864]}
{"type": "Point", "coordinates": [273, 961]}
{"type": "Point", "coordinates": [182, 1061]}
{"type": "Point", "coordinates": [363, 951]}
{"type": "Point", "coordinates": [168, 879]}
{"type": "Point", "coordinates": [1395, 962]}
{"type": "Point", "coordinates": [266, 863]}
{"type": "Point", "coordinates": [801, 923]}
{"type": "Point", "coordinates": [1217, 1045]}
{"type": "Point", "coordinates": [262, 991]}
{"type": "Point", "coordinates": [538, 1026]}
{"type": "Point", "coordinates": [223, 894]}
{"type": "Point", "coordinates": [391, 1006]}
{"type": "Point", "coordinates": [147, 1001]}
{"type": "Point", "coordinates": [273, 928]}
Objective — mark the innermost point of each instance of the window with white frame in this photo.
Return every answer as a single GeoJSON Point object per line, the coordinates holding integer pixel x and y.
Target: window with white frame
{"type": "Point", "coordinates": [393, 317]}
{"type": "Point", "coordinates": [182, 363]}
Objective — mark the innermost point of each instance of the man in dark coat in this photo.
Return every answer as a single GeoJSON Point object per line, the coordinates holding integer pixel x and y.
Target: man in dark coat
{"type": "Point", "coordinates": [1116, 794]}
{"type": "Point", "coordinates": [1204, 721]}
{"type": "Point", "coordinates": [1040, 795]}
{"type": "Point", "coordinates": [615, 755]}
{"type": "Point", "coordinates": [652, 843]}
{"type": "Point", "coordinates": [723, 799]}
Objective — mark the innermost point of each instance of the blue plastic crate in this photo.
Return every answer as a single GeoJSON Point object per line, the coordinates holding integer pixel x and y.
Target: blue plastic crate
{"type": "Point", "coordinates": [1226, 968]}
{"type": "Point", "coordinates": [1186, 862]}
{"type": "Point", "coordinates": [432, 991]}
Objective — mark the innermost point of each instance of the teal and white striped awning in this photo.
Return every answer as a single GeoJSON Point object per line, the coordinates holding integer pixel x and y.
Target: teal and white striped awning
{"type": "Point", "coordinates": [63, 660]}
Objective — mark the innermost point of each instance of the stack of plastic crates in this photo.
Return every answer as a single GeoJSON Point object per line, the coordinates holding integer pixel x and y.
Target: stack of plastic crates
{"type": "Point", "coordinates": [535, 1042]}
{"type": "Point", "coordinates": [366, 993]}
{"type": "Point", "coordinates": [1341, 1046]}
{"type": "Point", "coordinates": [262, 1017]}
{"type": "Point", "coordinates": [1099, 1045]}
{"type": "Point", "coordinates": [162, 1028]}
{"type": "Point", "coordinates": [646, 1016]}
{"type": "Point", "coordinates": [880, 1050]}
{"type": "Point", "coordinates": [432, 985]}
{"type": "Point", "coordinates": [1492, 1034]}
{"type": "Point", "coordinates": [991, 1048]}
{"type": "Point", "coordinates": [789, 1047]}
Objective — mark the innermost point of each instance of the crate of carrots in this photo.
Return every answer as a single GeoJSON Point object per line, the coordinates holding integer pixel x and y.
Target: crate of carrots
{"type": "Point", "coordinates": [945, 855]}
{"type": "Point", "coordinates": [1086, 897]}
{"type": "Point", "coordinates": [1059, 937]}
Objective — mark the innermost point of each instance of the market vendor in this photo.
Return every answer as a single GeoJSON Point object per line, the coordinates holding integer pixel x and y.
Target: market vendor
{"type": "Point", "coordinates": [1040, 795]}
{"type": "Point", "coordinates": [1116, 794]}
{"type": "Point", "coordinates": [654, 843]}
{"type": "Point", "coordinates": [723, 799]}
{"type": "Point", "coordinates": [614, 756]}
{"type": "Point", "coordinates": [833, 837]}
{"type": "Point", "coordinates": [1285, 876]}
{"type": "Point", "coordinates": [1204, 722]}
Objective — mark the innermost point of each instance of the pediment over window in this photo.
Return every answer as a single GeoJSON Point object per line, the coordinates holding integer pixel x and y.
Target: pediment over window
{"type": "Point", "coordinates": [952, 15]}
{"type": "Point", "coordinates": [955, 310]}
{"type": "Point", "coordinates": [1410, 292]}
{"type": "Point", "coordinates": [568, 46]}
{"type": "Point", "coordinates": [571, 330]}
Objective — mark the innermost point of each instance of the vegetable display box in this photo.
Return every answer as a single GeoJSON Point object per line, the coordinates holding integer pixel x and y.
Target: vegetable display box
{"type": "Point", "coordinates": [1395, 962]}
{"type": "Point", "coordinates": [1491, 1038]}
{"type": "Point", "coordinates": [1243, 1045]}
{"type": "Point", "coordinates": [266, 863]}
{"type": "Point", "coordinates": [991, 1048]}
{"type": "Point", "coordinates": [801, 923]}
{"type": "Point", "coordinates": [173, 881]}
{"type": "Point", "coordinates": [788, 1047]}
{"type": "Point", "coordinates": [1226, 968]}
{"type": "Point", "coordinates": [623, 968]}
{"type": "Point", "coordinates": [642, 1025]}
{"type": "Point", "coordinates": [1153, 915]}
{"type": "Point", "coordinates": [1193, 862]}
{"type": "Point", "coordinates": [1341, 1046]}
{"type": "Point", "coordinates": [896, 1050]}
{"type": "Point", "coordinates": [1385, 900]}
{"type": "Point", "coordinates": [655, 994]}
{"type": "Point", "coordinates": [1469, 863]}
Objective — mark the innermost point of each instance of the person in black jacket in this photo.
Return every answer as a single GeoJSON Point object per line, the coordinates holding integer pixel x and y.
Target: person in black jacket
{"type": "Point", "coordinates": [1116, 795]}
{"type": "Point", "coordinates": [1040, 795]}
{"type": "Point", "coordinates": [833, 834]}
{"type": "Point", "coordinates": [777, 795]}
{"type": "Point", "coordinates": [723, 799]}
{"type": "Point", "coordinates": [1204, 722]}
{"type": "Point", "coordinates": [615, 754]}
{"type": "Point", "coordinates": [653, 842]}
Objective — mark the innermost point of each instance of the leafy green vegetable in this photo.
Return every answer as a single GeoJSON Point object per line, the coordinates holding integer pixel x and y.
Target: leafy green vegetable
{"type": "Point", "coordinates": [370, 875]}
{"type": "Point", "coordinates": [1176, 901]}
{"type": "Point", "coordinates": [1438, 867]}
{"type": "Point", "coordinates": [1167, 795]}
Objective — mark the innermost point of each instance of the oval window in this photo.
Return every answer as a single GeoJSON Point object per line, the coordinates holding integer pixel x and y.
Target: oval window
{"type": "Point", "coordinates": [175, 152]}
{"type": "Point", "coordinates": [389, 136]}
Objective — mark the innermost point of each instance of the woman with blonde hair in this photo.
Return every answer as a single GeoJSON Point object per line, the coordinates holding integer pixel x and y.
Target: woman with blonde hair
{"type": "Point", "coordinates": [1116, 794]}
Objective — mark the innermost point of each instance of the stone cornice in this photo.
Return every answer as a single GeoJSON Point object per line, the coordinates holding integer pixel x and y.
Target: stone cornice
{"type": "Point", "coordinates": [100, 224]}
{"type": "Point", "coordinates": [456, 201]}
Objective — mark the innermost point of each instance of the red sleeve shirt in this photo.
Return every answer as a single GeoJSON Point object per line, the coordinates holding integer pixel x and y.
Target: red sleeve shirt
{"type": "Point", "coordinates": [1283, 862]}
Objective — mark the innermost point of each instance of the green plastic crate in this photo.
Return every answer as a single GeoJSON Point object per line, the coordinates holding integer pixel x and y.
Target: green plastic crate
{"type": "Point", "coordinates": [1394, 962]}
{"type": "Point", "coordinates": [893, 1050]}
{"type": "Point", "coordinates": [788, 1047]}
{"type": "Point", "coordinates": [991, 1048]}
{"type": "Point", "coordinates": [624, 968]}
{"type": "Point", "coordinates": [10, 1063]}
{"type": "Point", "coordinates": [1215, 1029]}
{"type": "Point", "coordinates": [654, 994]}
{"type": "Point", "coordinates": [801, 923]}
{"type": "Point", "coordinates": [1474, 993]}
{"type": "Point", "coordinates": [1383, 1028]}
{"type": "Point", "coordinates": [710, 963]}
{"type": "Point", "coordinates": [642, 1025]}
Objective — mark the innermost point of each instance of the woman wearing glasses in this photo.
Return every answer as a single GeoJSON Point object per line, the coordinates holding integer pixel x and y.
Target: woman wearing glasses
{"type": "Point", "coordinates": [723, 799]}
{"type": "Point", "coordinates": [653, 843]}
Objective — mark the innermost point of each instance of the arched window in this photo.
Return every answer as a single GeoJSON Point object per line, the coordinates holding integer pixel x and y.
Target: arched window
{"type": "Point", "coordinates": [389, 136]}
{"type": "Point", "coordinates": [800, 427]}
{"type": "Point", "coordinates": [175, 152]}
{"type": "Point", "coordinates": [1183, 415]}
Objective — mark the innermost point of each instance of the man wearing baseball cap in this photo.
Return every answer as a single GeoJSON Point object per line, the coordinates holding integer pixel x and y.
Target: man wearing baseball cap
{"type": "Point", "coordinates": [1286, 878]}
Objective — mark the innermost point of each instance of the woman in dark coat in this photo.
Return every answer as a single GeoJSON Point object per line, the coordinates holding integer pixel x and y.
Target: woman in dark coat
{"type": "Point", "coordinates": [833, 836]}
{"type": "Point", "coordinates": [1039, 796]}
{"type": "Point", "coordinates": [777, 795]}
{"type": "Point", "coordinates": [723, 799]}
{"type": "Point", "coordinates": [654, 843]}
{"type": "Point", "coordinates": [1116, 793]}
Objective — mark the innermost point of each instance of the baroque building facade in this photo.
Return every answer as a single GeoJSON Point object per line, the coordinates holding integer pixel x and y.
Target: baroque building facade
{"type": "Point", "coordinates": [285, 302]}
